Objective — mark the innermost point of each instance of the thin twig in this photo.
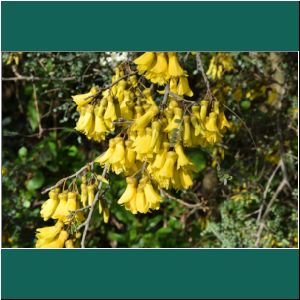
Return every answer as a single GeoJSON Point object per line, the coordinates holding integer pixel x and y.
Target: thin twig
{"type": "Point", "coordinates": [181, 98]}
{"type": "Point", "coordinates": [165, 99]}
{"type": "Point", "coordinates": [201, 69]}
{"type": "Point", "coordinates": [243, 122]}
{"type": "Point", "coordinates": [189, 205]}
{"type": "Point", "coordinates": [37, 111]}
{"type": "Point", "coordinates": [61, 181]}
{"type": "Point", "coordinates": [34, 78]}
{"type": "Point", "coordinates": [86, 224]}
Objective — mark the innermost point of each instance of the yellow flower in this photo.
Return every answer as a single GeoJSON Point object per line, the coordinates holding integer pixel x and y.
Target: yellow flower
{"type": "Point", "coordinates": [130, 191]}
{"type": "Point", "coordinates": [50, 205]}
{"type": "Point", "coordinates": [84, 99]}
{"type": "Point", "coordinates": [167, 170]}
{"type": "Point", "coordinates": [59, 242]}
{"type": "Point", "coordinates": [222, 121]}
{"type": "Point", "coordinates": [69, 244]}
{"type": "Point", "coordinates": [211, 123]}
{"type": "Point", "coordinates": [185, 178]}
{"type": "Point", "coordinates": [203, 110]}
{"type": "Point", "coordinates": [184, 88]}
{"type": "Point", "coordinates": [152, 197]}
{"type": "Point", "coordinates": [160, 158]}
{"type": "Point", "coordinates": [174, 67]}
{"type": "Point", "coordinates": [86, 124]}
{"type": "Point", "coordinates": [48, 234]}
{"type": "Point", "coordinates": [84, 192]}
{"type": "Point", "coordinates": [155, 137]}
{"type": "Point", "coordinates": [141, 203]}
{"type": "Point", "coordinates": [159, 73]}
{"type": "Point", "coordinates": [104, 158]}
{"type": "Point", "coordinates": [145, 61]}
{"type": "Point", "coordinates": [176, 120]}
{"type": "Point", "coordinates": [105, 215]}
{"type": "Point", "coordinates": [141, 122]}
{"type": "Point", "coordinates": [182, 160]}
{"type": "Point", "coordinates": [119, 151]}
{"type": "Point", "coordinates": [187, 140]}
{"type": "Point", "coordinates": [61, 211]}
{"type": "Point", "coordinates": [91, 193]}
{"type": "Point", "coordinates": [110, 113]}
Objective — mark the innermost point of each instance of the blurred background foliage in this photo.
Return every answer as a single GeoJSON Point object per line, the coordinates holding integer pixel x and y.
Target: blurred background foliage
{"type": "Point", "coordinates": [250, 198]}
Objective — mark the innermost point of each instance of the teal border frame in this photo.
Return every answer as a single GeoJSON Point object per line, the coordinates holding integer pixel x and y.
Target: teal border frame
{"type": "Point", "coordinates": [144, 25]}
{"type": "Point", "coordinates": [150, 273]}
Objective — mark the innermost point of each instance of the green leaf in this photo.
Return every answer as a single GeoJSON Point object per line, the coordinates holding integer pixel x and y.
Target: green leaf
{"type": "Point", "coordinates": [22, 152]}
{"type": "Point", "coordinates": [198, 158]}
{"type": "Point", "coordinates": [35, 182]}
{"type": "Point", "coordinates": [245, 104]}
{"type": "Point", "coordinates": [72, 151]}
{"type": "Point", "coordinates": [32, 115]}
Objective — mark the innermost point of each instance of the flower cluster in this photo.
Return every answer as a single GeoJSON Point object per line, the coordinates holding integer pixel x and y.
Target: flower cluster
{"type": "Point", "coordinates": [149, 137]}
{"type": "Point", "coordinates": [66, 208]}
{"type": "Point", "coordinates": [150, 148]}
{"type": "Point", "coordinates": [59, 207]}
{"type": "Point", "coordinates": [220, 63]}
{"type": "Point", "coordinates": [162, 68]}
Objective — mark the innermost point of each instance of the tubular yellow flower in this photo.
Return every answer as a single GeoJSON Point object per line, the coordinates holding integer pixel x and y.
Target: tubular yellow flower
{"type": "Point", "coordinates": [105, 214]}
{"type": "Point", "coordinates": [104, 158]}
{"type": "Point", "coordinates": [84, 193]}
{"type": "Point", "coordinates": [86, 126]}
{"type": "Point", "coordinates": [156, 125]}
{"type": "Point", "coordinates": [50, 232]}
{"type": "Point", "coordinates": [175, 122]}
{"type": "Point", "coordinates": [71, 202]}
{"type": "Point", "coordinates": [61, 211]}
{"type": "Point", "coordinates": [185, 178]}
{"type": "Point", "coordinates": [119, 152]}
{"type": "Point", "coordinates": [110, 113]}
{"type": "Point", "coordinates": [84, 99]}
{"type": "Point", "coordinates": [159, 73]}
{"type": "Point", "coordinates": [187, 140]}
{"type": "Point", "coordinates": [161, 65]}
{"type": "Point", "coordinates": [141, 122]}
{"type": "Point", "coordinates": [203, 110]}
{"type": "Point", "coordinates": [141, 203]}
{"type": "Point", "coordinates": [59, 242]}
{"type": "Point", "coordinates": [69, 244]}
{"type": "Point", "coordinates": [130, 191]}
{"type": "Point", "coordinates": [91, 193]}
{"type": "Point", "coordinates": [174, 67]}
{"type": "Point", "coordinates": [222, 121]}
{"type": "Point", "coordinates": [143, 141]}
{"type": "Point", "coordinates": [196, 112]}
{"type": "Point", "coordinates": [184, 88]}
{"type": "Point", "coordinates": [50, 205]}
{"type": "Point", "coordinates": [182, 160]}
{"type": "Point", "coordinates": [160, 158]}
{"type": "Point", "coordinates": [145, 61]}
{"type": "Point", "coordinates": [167, 170]}
{"type": "Point", "coordinates": [196, 125]}
{"type": "Point", "coordinates": [152, 197]}
{"type": "Point", "coordinates": [211, 123]}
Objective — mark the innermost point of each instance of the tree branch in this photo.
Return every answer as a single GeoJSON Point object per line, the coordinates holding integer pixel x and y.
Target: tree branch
{"type": "Point", "coordinates": [61, 181]}
{"type": "Point", "coordinates": [86, 224]}
{"type": "Point", "coordinates": [189, 205]}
